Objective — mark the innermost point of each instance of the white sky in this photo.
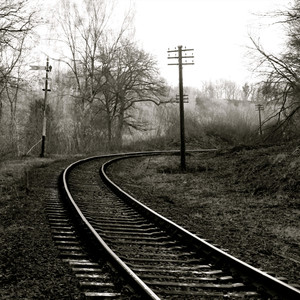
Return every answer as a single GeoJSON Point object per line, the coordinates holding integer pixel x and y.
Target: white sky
{"type": "Point", "coordinates": [216, 29]}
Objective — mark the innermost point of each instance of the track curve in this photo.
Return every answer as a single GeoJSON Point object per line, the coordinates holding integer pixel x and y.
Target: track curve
{"type": "Point", "coordinates": [160, 259]}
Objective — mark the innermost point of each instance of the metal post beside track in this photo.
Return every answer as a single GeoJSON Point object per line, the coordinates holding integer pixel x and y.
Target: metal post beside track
{"type": "Point", "coordinates": [46, 90]}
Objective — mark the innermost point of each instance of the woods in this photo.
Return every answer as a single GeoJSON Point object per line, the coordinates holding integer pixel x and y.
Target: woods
{"type": "Point", "coordinates": [16, 26]}
{"type": "Point", "coordinates": [106, 88]}
{"type": "Point", "coordinates": [99, 76]}
{"type": "Point", "coordinates": [280, 82]}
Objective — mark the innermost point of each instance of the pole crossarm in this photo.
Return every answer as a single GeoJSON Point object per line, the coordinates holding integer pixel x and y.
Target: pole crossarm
{"type": "Point", "coordinates": [187, 49]}
{"type": "Point", "coordinates": [170, 51]}
{"type": "Point", "coordinates": [182, 64]}
{"type": "Point", "coordinates": [176, 50]}
{"type": "Point", "coordinates": [188, 56]}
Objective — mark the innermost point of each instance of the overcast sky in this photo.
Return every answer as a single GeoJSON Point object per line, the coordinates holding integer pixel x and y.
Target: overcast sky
{"type": "Point", "coordinates": [217, 30]}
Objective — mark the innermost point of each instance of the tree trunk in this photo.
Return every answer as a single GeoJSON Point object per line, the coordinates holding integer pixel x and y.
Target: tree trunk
{"type": "Point", "coordinates": [120, 124]}
{"type": "Point", "coordinates": [109, 132]}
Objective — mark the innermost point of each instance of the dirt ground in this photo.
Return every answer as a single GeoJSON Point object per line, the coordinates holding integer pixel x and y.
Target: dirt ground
{"type": "Point", "coordinates": [30, 266]}
{"type": "Point", "coordinates": [244, 199]}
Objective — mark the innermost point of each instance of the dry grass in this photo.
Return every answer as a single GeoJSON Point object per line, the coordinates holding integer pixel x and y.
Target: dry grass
{"type": "Point", "coordinates": [245, 201]}
{"type": "Point", "coordinates": [16, 169]}
{"type": "Point", "coordinates": [29, 264]}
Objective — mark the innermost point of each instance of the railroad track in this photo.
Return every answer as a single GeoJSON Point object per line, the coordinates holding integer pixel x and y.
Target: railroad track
{"type": "Point", "coordinates": [157, 258]}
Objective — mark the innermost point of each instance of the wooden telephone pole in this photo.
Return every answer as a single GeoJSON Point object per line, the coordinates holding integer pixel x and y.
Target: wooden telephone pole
{"type": "Point", "coordinates": [46, 90]}
{"type": "Point", "coordinates": [178, 55]}
{"type": "Point", "coordinates": [259, 108]}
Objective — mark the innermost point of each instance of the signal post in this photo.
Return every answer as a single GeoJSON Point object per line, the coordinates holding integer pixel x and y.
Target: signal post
{"type": "Point", "coordinates": [46, 90]}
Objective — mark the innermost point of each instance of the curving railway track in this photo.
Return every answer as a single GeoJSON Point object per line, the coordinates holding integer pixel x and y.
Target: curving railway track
{"type": "Point", "coordinates": [151, 257]}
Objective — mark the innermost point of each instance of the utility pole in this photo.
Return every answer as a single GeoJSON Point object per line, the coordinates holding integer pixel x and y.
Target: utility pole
{"type": "Point", "coordinates": [178, 55]}
{"type": "Point", "coordinates": [48, 69]}
{"type": "Point", "coordinates": [259, 108]}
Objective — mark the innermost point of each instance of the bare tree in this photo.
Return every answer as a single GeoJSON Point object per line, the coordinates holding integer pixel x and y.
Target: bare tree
{"type": "Point", "coordinates": [230, 90]}
{"type": "Point", "coordinates": [208, 91]}
{"type": "Point", "coordinates": [17, 21]}
{"type": "Point", "coordinates": [110, 73]}
{"type": "Point", "coordinates": [281, 87]}
{"type": "Point", "coordinates": [281, 84]}
{"type": "Point", "coordinates": [86, 31]}
{"type": "Point", "coordinates": [131, 77]}
{"type": "Point", "coordinates": [247, 91]}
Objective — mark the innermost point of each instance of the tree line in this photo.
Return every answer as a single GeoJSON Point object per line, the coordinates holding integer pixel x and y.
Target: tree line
{"type": "Point", "coordinates": [101, 75]}
{"type": "Point", "coordinates": [102, 82]}
{"type": "Point", "coordinates": [280, 72]}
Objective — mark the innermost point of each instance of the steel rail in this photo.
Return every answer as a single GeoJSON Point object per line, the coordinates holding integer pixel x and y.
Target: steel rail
{"type": "Point", "coordinates": [135, 280]}
{"type": "Point", "coordinates": [260, 279]}
{"type": "Point", "coordinates": [117, 261]}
